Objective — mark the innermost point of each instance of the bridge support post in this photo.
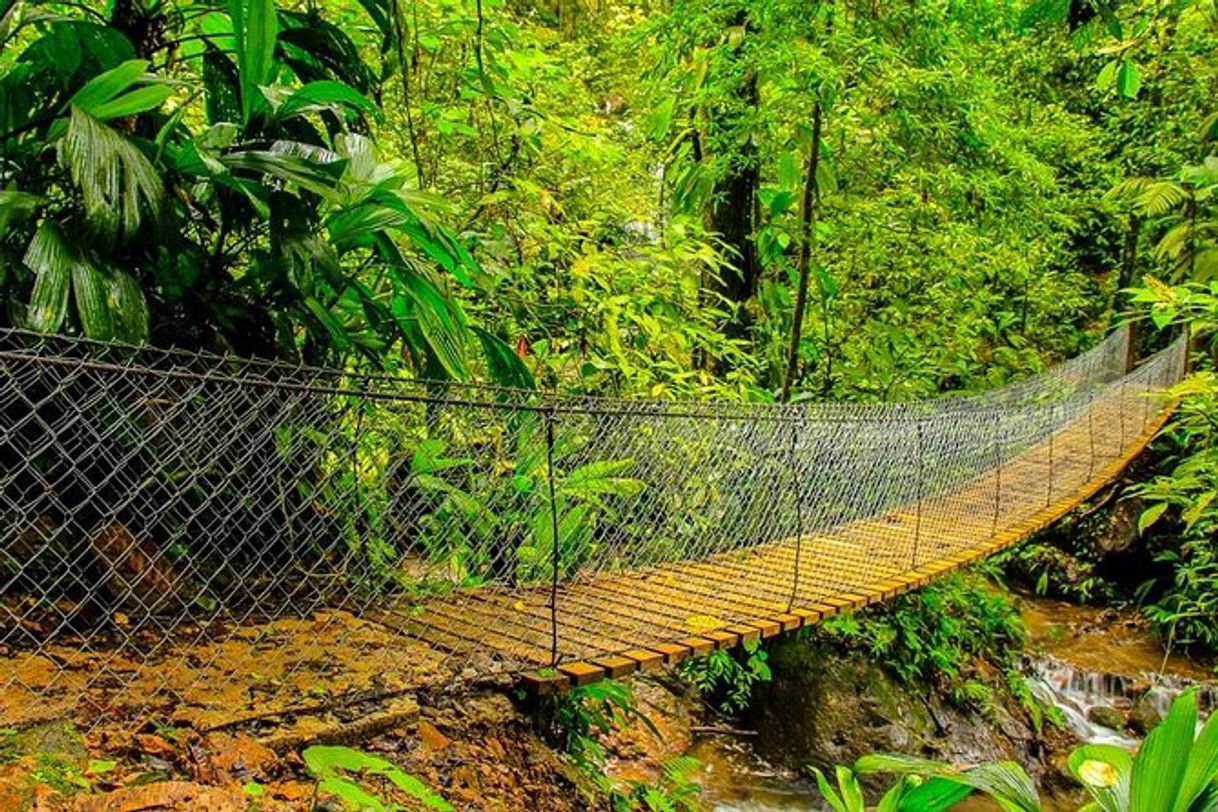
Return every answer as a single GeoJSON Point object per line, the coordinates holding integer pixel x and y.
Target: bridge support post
{"type": "Point", "coordinates": [919, 454]}
{"type": "Point", "coordinates": [1052, 432]}
{"type": "Point", "coordinates": [1090, 435]}
{"type": "Point", "coordinates": [797, 491]}
{"type": "Point", "coordinates": [548, 418]}
{"type": "Point", "coordinates": [997, 471]}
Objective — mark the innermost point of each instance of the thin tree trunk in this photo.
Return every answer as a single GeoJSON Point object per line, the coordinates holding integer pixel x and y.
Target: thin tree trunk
{"type": "Point", "coordinates": [1129, 262]}
{"type": "Point", "coordinates": [399, 35]}
{"type": "Point", "coordinates": [808, 230]}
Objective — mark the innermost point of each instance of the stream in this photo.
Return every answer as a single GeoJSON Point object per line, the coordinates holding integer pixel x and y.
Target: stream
{"type": "Point", "coordinates": [1094, 665]}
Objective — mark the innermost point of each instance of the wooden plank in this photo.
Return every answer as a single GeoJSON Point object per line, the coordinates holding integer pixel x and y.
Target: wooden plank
{"type": "Point", "coordinates": [789, 622]}
{"type": "Point", "coordinates": [747, 634]}
{"type": "Point", "coordinates": [768, 626]}
{"type": "Point", "coordinates": [723, 639]}
{"type": "Point", "coordinates": [672, 653]}
{"type": "Point", "coordinates": [542, 683]}
{"type": "Point", "coordinates": [698, 645]}
{"type": "Point", "coordinates": [647, 659]}
{"type": "Point", "coordinates": [617, 666]}
{"type": "Point", "coordinates": [582, 673]}
{"type": "Point", "coordinates": [807, 616]}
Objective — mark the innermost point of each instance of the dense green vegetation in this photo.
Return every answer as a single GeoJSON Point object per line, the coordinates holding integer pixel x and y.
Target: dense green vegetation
{"type": "Point", "coordinates": [749, 200]}
{"type": "Point", "coordinates": [1175, 769]}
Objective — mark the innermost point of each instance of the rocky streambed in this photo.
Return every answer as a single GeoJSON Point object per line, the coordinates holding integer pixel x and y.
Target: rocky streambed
{"type": "Point", "coordinates": [1101, 669]}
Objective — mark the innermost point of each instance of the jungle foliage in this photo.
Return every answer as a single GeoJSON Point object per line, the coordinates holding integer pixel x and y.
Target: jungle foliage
{"type": "Point", "coordinates": [1176, 768]}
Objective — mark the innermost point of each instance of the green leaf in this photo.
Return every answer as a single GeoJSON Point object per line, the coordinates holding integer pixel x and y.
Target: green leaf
{"type": "Point", "coordinates": [828, 793]}
{"type": "Point", "coordinates": [350, 793]}
{"type": "Point", "coordinates": [602, 477]}
{"type": "Point", "coordinates": [324, 94]}
{"type": "Point", "coordinates": [90, 288]}
{"type": "Point", "coordinates": [1151, 515]}
{"type": "Point", "coordinates": [934, 795]}
{"type": "Point", "coordinates": [327, 762]}
{"type": "Point", "coordinates": [1201, 774]}
{"type": "Point", "coordinates": [420, 305]}
{"type": "Point", "coordinates": [128, 307]}
{"type": "Point", "coordinates": [255, 26]}
{"type": "Point", "coordinates": [314, 176]}
{"type": "Point", "coordinates": [16, 206]}
{"type": "Point", "coordinates": [51, 259]}
{"type": "Point", "coordinates": [106, 86]}
{"type": "Point", "coordinates": [1128, 79]}
{"type": "Point", "coordinates": [1107, 75]}
{"type": "Point", "coordinates": [1109, 18]}
{"type": "Point", "coordinates": [133, 103]}
{"type": "Point", "coordinates": [1158, 769]}
{"type": "Point", "coordinates": [1007, 783]}
{"type": "Point", "coordinates": [506, 368]}
{"type": "Point", "coordinates": [117, 182]}
{"type": "Point", "coordinates": [852, 791]}
{"type": "Point", "coordinates": [99, 766]}
{"type": "Point", "coordinates": [826, 177]}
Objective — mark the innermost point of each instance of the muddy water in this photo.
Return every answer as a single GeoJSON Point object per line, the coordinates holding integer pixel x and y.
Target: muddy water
{"type": "Point", "coordinates": [734, 779]}
{"type": "Point", "coordinates": [1081, 659]}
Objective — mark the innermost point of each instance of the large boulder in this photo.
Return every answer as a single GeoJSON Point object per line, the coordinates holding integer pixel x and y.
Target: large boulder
{"type": "Point", "coordinates": [824, 707]}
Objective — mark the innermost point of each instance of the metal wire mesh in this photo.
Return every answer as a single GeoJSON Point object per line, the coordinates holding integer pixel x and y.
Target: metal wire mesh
{"type": "Point", "coordinates": [200, 538]}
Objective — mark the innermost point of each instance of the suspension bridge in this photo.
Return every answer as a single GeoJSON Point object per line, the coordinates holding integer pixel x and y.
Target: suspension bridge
{"type": "Point", "coordinates": [184, 529]}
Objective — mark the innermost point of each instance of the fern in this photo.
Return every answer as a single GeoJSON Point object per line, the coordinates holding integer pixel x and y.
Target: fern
{"type": "Point", "coordinates": [1159, 198]}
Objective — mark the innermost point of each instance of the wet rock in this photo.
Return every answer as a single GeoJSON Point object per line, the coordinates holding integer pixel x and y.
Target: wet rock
{"type": "Point", "coordinates": [1106, 716]}
{"type": "Point", "coordinates": [1144, 716]}
{"type": "Point", "coordinates": [1120, 532]}
{"type": "Point", "coordinates": [825, 708]}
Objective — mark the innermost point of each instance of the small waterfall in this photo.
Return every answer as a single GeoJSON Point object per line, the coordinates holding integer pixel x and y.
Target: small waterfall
{"type": "Point", "coordinates": [1079, 693]}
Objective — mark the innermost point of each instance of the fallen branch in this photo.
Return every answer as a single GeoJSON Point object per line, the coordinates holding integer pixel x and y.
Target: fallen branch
{"type": "Point", "coordinates": [723, 731]}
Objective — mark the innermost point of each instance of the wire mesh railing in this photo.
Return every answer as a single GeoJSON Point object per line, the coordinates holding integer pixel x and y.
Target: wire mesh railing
{"type": "Point", "coordinates": [201, 537]}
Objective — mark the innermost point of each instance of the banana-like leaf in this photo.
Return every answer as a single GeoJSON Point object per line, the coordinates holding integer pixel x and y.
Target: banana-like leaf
{"type": "Point", "coordinates": [314, 177]}
{"type": "Point", "coordinates": [901, 764]}
{"type": "Point", "coordinates": [256, 28]}
{"type": "Point", "coordinates": [90, 290]}
{"type": "Point", "coordinates": [1158, 768]}
{"type": "Point", "coordinates": [17, 205]}
{"type": "Point", "coordinates": [50, 257]}
{"type": "Point", "coordinates": [852, 791]}
{"type": "Point", "coordinates": [505, 366]}
{"type": "Point", "coordinates": [935, 794]}
{"type": "Point", "coordinates": [325, 95]}
{"type": "Point", "coordinates": [1104, 771]}
{"type": "Point", "coordinates": [830, 794]}
{"type": "Point", "coordinates": [118, 184]}
{"type": "Point", "coordinates": [1007, 783]}
{"type": "Point", "coordinates": [1004, 781]}
{"type": "Point", "coordinates": [137, 101]}
{"type": "Point", "coordinates": [107, 86]}
{"type": "Point", "coordinates": [440, 321]}
{"type": "Point", "coordinates": [1201, 773]}
{"type": "Point", "coordinates": [129, 307]}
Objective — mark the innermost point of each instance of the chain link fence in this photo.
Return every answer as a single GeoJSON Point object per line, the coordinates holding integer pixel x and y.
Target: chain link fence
{"type": "Point", "coordinates": [201, 538]}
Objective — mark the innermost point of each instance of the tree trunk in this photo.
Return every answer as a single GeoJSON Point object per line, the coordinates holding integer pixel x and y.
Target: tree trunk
{"type": "Point", "coordinates": [732, 207]}
{"type": "Point", "coordinates": [807, 233]}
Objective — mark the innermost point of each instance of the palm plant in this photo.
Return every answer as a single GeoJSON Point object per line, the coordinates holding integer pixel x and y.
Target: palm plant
{"type": "Point", "coordinates": [1175, 770]}
{"type": "Point", "coordinates": [202, 175]}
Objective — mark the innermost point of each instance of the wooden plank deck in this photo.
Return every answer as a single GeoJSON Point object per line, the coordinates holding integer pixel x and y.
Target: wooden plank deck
{"type": "Point", "coordinates": [611, 624]}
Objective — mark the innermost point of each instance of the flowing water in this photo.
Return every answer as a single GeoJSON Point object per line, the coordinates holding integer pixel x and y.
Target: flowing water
{"type": "Point", "coordinates": [1089, 660]}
